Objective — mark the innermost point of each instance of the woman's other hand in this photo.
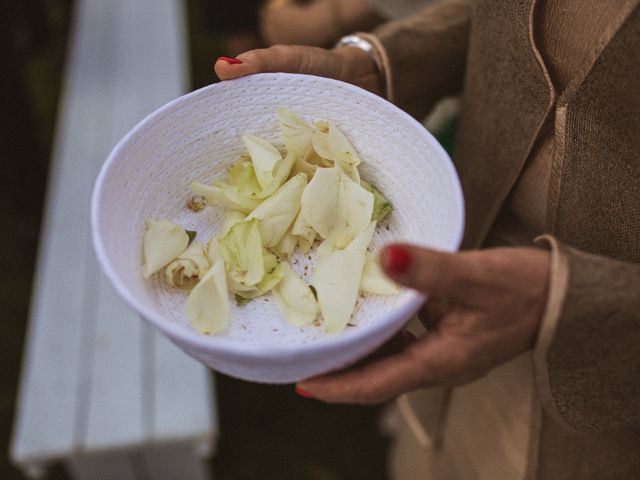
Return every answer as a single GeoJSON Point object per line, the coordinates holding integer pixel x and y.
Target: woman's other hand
{"type": "Point", "coordinates": [348, 64]}
{"type": "Point", "coordinates": [484, 309]}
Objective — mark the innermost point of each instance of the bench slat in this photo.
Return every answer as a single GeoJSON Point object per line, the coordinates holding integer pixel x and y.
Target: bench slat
{"type": "Point", "coordinates": [94, 377]}
{"type": "Point", "coordinates": [114, 405]}
{"type": "Point", "coordinates": [176, 415]}
{"type": "Point", "coordinates": [48, 399]}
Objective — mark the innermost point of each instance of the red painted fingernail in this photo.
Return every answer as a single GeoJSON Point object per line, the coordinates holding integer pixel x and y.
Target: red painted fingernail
{"type": "Point", "coordinates": [230, 61]}
{"type": "Point", "coordinates": [396, 259]}
{"type": "Point", "coordinates": [302, 392]}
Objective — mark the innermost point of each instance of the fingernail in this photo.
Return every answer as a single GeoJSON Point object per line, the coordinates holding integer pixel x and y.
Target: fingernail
{"type": "Point", "coordinates": [302, 392]}
{"type": "Point", "coordinates": [230, 61]}
{"type": "Point", "coordinates": [396, 259]}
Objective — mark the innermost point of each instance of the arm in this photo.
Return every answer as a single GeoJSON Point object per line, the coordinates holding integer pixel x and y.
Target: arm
{"type": "Point", "coordinates": [424, 56]}
{"type": "Point", "coordinates": [587, 357]}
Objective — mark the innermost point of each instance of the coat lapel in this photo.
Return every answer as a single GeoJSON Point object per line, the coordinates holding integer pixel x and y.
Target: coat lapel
{"type": "Point", "coordinates": [570, 94]}
{"type": "Point", "coordinates": [507, 96]}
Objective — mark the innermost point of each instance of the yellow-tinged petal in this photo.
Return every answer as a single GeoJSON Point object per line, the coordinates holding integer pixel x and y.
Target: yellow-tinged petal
{"type": "Point", "coordinates": [296, 132]}
{"type": "Point", "coordinates": [374, 280]}
{"type": "Point", "coordinates": [278, 212]}
{"type": "Point", "coordinates": [320, 143]}
{"type": "Point", "coordinates": [231, 217]}
{"type": "Point", "coordinates": [243, 176]}
{"type": "Point", "coordinates": [213, 250]}
{"type": "Point", "coordinates": [381, 205]}
{"type": "Point", "coordinates": [321, 126]}
{"type": "Point", "coordinates": [335, 206]}
{"type": "Point", "coordinates": [337, 281]}
{"type": "Point", "coordinates": [208, 305]}
{"type": "Point", "coordinates": [265, 158]}
{"type": "Point", "coordinates": [226, 195]}
{"type": "Point", "coordinates": [297, 303]}
{"type": "Point", "coordinates": [287, 245]}
{"type": "Point", "coordinates": [309, 163]}
{"type": "Point", "coordinates": [344, 155]}
{"type": "Point", "coordinates": [313, 159]}
{"type": "Point", "coordinates": [304, 233]}
{"type": "Point", "coordinates": [272, 276]}
{"type": "Point", "coordinates": [190, 266]}
{"type": "Point", "coordinates": [282, 173]}
{"type": "Point", "coordinates": [241, 249]}
{"type": "Point", "coordinates": [162, 242]}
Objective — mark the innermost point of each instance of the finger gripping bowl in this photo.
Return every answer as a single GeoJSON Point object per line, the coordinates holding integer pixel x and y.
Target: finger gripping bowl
{"type": "Point", "coordinates": [195, 138]}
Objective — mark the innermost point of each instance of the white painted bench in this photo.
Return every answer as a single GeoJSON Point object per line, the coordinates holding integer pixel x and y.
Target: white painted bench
{"type": "Point", "coordinates": [100, 391]}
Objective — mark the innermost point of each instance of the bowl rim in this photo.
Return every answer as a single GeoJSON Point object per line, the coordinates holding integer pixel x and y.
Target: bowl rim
{"type": "Point", "coordinates": [233, 346]}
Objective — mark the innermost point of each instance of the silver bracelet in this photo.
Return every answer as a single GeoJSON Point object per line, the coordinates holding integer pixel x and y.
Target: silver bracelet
{"type": "Point", "coordinates": [364, 45]}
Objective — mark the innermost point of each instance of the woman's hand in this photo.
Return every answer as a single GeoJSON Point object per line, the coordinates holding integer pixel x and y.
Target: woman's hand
{"type": "Point", "coordinates": [348, 64]}
{"type": "Point", "coordinates": [484, 309]}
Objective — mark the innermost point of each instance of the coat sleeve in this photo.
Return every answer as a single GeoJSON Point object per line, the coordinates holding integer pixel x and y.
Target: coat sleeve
{"type": "Point", "coordinates": [587, 356]}
{"type": "Point", "coordinates": [423, 57]}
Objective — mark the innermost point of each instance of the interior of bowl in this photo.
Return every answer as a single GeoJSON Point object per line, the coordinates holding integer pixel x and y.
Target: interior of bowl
{"type": "Point", "coordinates": [197, 137]}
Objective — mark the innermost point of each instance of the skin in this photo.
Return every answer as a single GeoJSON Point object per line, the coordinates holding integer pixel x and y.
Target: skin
{"type": "Point", "coordinates": [484, 308]}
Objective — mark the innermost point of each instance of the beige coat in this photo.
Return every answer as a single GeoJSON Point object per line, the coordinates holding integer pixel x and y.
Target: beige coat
{"type": "Point", "coordinates": [587, 358]}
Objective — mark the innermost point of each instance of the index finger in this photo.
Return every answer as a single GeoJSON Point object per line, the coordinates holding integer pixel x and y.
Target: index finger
{"type": "Point", "coordinates": [279, 58]}
{"type": "Point", "coordinates": [458, 276]}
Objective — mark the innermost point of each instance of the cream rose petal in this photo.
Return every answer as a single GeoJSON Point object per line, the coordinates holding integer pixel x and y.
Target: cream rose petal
{"type": "Point", "coordinates": [335, 206]}
{"type": "Point", "coordinates": [287, 245]}
{"type": "Point", "coordinates": [190, 266]}
{"type": "Point", "coordinates": [208, 305]}
{"type": "Point", "coordinates": [337, 281]}
{"type": "Point", "coordinates": [229, 196]}
{"type": "Point", "coordinates": [283, 170]}
{"type": "Point", "coordinates": [272, 276]}
{"type": "Point", "coordinates": [320, 143]}
{"type": "Point", "coordinates": [374, 280]}
{"type": "Point", "coordinates": [304, 233]}
{"type": "Point", "coordinates": [162, 242]}
{"type": "Point", "coordinates": [242, 251]}
{"type": "Point", "coordinates": [296, 132]}
{"type": "Point", "coordinates": [278, 212]}
{"type": "Point", "coordinates": [231, 217]}
{"type": "Point", "coordinates": [297, 303]}
{"type": "Point", "coordinates": [265, 158]}
{"type": "Point", "coordinates": [382, 207]}
{"type": "Point", "coordinates": [344, 154]}
{"type": "Point", "coordinates": [243, 176]}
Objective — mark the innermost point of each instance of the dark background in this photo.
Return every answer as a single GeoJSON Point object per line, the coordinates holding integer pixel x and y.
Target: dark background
{"type": "Point", "coordinates": [267, 432]}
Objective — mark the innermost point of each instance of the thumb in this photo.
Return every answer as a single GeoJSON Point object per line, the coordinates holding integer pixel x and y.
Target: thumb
{"type": "Point", "coordinates": [455, 276]}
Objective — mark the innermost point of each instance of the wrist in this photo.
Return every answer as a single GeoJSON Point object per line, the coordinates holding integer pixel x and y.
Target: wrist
{"type": "Point", "coordinates": [360, 63]}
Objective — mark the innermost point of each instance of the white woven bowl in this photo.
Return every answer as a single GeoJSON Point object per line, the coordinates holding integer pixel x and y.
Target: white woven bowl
{"type": "Point", "coordinates": [196, 137]}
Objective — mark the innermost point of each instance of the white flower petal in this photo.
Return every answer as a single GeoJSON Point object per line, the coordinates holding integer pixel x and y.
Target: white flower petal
{"type": "Point", "coordinates": [229, 196]}
{"type": "Point", "coordinates": [208, 305]}
{"type": "Point", "coordinates": [272, 277]}
{"type": "Point", "coordinates": [231, 217]}
{"type": "Point", "coordinates": [344, 154]}
{"type": "Point", "coordinates": [295, 299]}
{"type": "Point", "coordinates": [278, 212]}
{"type": "Point", "coordinates": [374, 280]}
{"type": "Point", "coordinates": [162, 242]}
{"type": "Point", "coordinates": [335, 206]}
{"type": "Point", "coordinates": [337, 281]}
{"type": "Point", "coordinates": [287, 245]}
{"type": "Point", "coordinates": [265, 158]}
{"type": "Point", "coordinates": [296, 132]}
{"type": "Point", "coordinates": [282, 173]}
{"type": "Point", "coordinates": [190, 266]}
{"type": "Point", "coordinates": [241, 249]}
